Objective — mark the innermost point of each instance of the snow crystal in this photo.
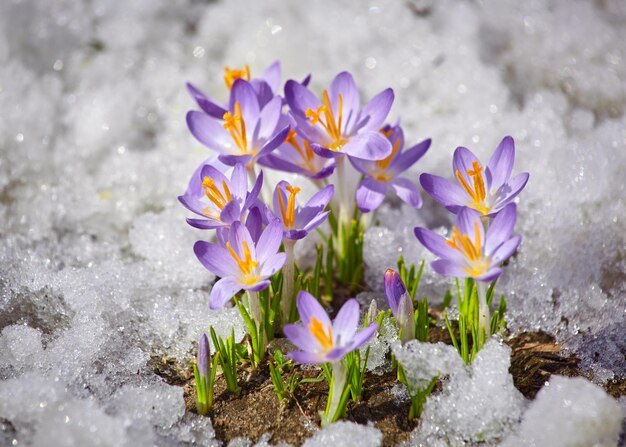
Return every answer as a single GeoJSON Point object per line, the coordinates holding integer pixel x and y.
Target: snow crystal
{"type": "Point", "coordinates": [569, 412]}
{"type": "Point", "coordinates": [476, 404]}
{"type": "Point", "coordinates": [344, 434]}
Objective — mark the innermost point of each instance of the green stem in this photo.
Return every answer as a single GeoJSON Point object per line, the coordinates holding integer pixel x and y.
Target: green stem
{"type": "Point", "coordinates": [484, 319]}
{"type": "Point", "coordinates": [338, 383]}
{"type": "Point", "coordinates": [288, 278]}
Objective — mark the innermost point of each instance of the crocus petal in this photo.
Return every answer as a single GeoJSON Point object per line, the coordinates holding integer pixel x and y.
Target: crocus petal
{"type": "Point", "coordinates": [258, 286]}
{"type": "Point", "coordinates": [501, 163]}
{"type": "Point", "coordinates": [324, 172]}
{"type": "Point", "coordinates": [295, 235]}
{"type": "Point", "coordinates": [233, 159]}
{"type": "Point", "coordinates": [344, 85]}
{"type": "Point", "coordinates": [309, 307]}
{"type": "Point", "coordinates": [208, 131]}
{"type": "Point", "coordinates": [314, 206]}
{"type": "Point", "coordinates": [213, 173]}
{"type": "Point", "coordinates": [268, 119]}
{"type": "Point", "coordinates": [338, 353]}
{"type": "Point", "coordinates": [215, 258]}
{"type": "Point", "coordinates": [271, 75]}
{"type": "Point", "coordinates": [300, 98]}
{"type": "Point", "coordinates": [272, 144]}
{"type": "Point", "coordinates": [462, 161]}
{"type": "Point", "coordinates": [205, 224]}
{"type": "Point", "coordinates": [239, 234]}
{"type": "Point", "coordinates": [270, 240]}
{"type": "Point", "coordinates": [435, 243]}
{"type": "Point", "coordinates": [346, 322]}
{"type": "Point", "coordinates": [263, 91]}
{"type": "Point", "coordinates": [510, 190]}
{"type": "Point", "coordinates": [316, 221]}
{"type": "Point", "coordinates": [325, 152]}
{"type": "Point", "coordinates": [273, 264]}
{"type": "Point", "coordinates": [409, 157]}
{"type": "Point", "coordinates": [407, 191]}
{"type": "Point", "coordinates": [222, 291]}
{"type": "Point", "coordinates": [504, 251]}
{"type": "Point", "coordinates": [254, 192]}
{"type": "Point", "coordinates": [443, 190]}
{"type": "Point", "coordinates": [500, 228]}
{"type": "Point", "coordinates": [230, 213]}
{"type": "Point", "coordinates": [446, 267]}
{"type": "Point", "coordinates": [490, 275]}
{"type": "Point", "coordinates": [301, 337]}
{"type": "Point", "coordinates": [467, 220]}
{"type": "Point", "coordinates": [307, 358]}
{"type": "Point", "coordinates": [370, 194]}
{"type": "Point", "coordinates": [239, 181]}
{"type": "Point", "coordinates": [243, 93]}
{"type": "Point", "coordinates": [205, 103]}
{"type": "Point", "coordinates": [377, 109]}
{"type": "Point", "coordinates": [368, 146]}
{"type": "Point", "coordinates": [363, 336]}
{"type": "Point", "coordinates": [394, 289]}
{"type": "Point", "coordinates": [254, 223]}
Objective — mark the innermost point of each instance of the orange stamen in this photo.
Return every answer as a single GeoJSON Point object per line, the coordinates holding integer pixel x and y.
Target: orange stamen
{"type": "Point", "coordinates": [236, 126]}
{"type": "Point", "coordinates": [247, 264]}
{"type": "Point", "coordinates": [288, 212]}
{"type": "Point", "coordinates": [230, 76]}
{"type": "Point", "coordinates": [323, 335]}
{"type": "Point", "coordinates": [214, 194]}
{"type": "Point", "coordinates": [330, 124]}
{"type": "Point", "coordinates": [476, 192]}
{"type": "Point", "coordinates": [384, 163]}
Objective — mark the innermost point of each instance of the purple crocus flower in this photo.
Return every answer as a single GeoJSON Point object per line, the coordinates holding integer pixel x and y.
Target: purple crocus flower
{"type": "Point", "coordinates": [383, 174]}
{"type": "Point", "coordinates": [204, 358]}
{"type": "Point", "coordinates": [401, 304]}
{"type": "Point", "coordinates": [250, 129]}
{"type": "Point", "coordinates": [295, 155]}
{"type": "Point", "coordinates": [242, 263]}
{"type": "Point", "coordinates": [338, 125]}
{"type": "Point", "coordinates": [485, 190]}
{"type": "Point", "coordinates": [320, 340]}
{"type": "Point", "coordinates": [219, 200]}
{"type": "Point", "coordinates": [266, 87]}
{"type": "Point", "coordinates": [298, 222]}
{"type": "Point", "coordinates": [470, 252]}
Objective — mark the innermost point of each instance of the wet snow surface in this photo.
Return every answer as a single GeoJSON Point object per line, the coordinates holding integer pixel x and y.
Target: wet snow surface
{"type": "Point", "coordinates": [96, 269]}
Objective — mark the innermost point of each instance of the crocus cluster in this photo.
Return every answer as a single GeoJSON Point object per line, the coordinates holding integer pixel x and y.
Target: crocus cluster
{"type": "Point", "coordinates": [482, 199]}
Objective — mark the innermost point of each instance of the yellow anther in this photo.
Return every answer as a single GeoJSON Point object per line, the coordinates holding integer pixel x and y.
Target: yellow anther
{"type": "Point", "coordinates": [236, 126]}
{"type": "Point", "coordinates": [331, 125]}
{"type": "Point", "coordinates": [247, 264]}
{"type": "Point", "coordinates": [471, 250]}
{"type": "Point", "coordinates": [214, 194]}
{"type": "Point", "coordinates": [288, 212]}
{"type": "Point", "coordinates": [324, 335]}
{"type": "Point", "coordinates": [386, 133]}
{"type": "Point", "coordinates": [477, 193]}
{"type": "Point", "coordinates": [230, 76]}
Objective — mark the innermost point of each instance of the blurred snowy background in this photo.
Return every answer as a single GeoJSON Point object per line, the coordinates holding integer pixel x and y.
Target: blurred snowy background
{"type": "Point", "coordinates": [96, 269]}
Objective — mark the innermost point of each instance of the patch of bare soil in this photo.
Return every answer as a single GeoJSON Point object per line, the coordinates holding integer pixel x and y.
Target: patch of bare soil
{"type": "Point", "coordinates": [256, 410]}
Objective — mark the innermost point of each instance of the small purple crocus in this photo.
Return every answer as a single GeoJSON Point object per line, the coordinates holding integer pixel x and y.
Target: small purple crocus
{"type": "Point", "coordinates": [218, 199]}
{"type": "Point", "coordinates": [470, 253]}
{"type": "Point", "coordinates": [380, 175]}
{"type": "Point", "coordinates": [401, 305]}
{"type": "Point", "coordinates": [299, 221]}
{"type": "Point", "coordinates": [249, 130]}
{"type": "Point", "coordinates": [486, 190]}
{"type": "Point", "coordinates": [295, 155]}
{"type": "Point", "coordinates": [266, 87]}
{"type": "Point", "coordinates": [242, 263]}
{"type": "Point", "coordinates": [320, 340]}
{"type": "Point", "coordinates": [338, 125]}
{"type": "Point", "coordinates": [204, 358]}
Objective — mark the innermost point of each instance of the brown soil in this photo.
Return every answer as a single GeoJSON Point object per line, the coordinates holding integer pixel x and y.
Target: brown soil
{"type": "Point", "coordinates": [256, 410]}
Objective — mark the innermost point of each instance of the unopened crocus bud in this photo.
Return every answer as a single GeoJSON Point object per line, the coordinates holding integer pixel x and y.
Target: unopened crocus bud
{"type": "Point", "coordinates": [400, 304]}
{"type": "Point", "coordinates": [204, 357]}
